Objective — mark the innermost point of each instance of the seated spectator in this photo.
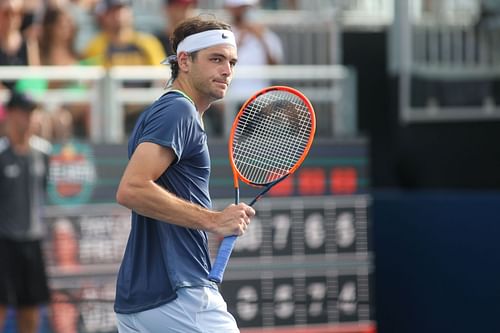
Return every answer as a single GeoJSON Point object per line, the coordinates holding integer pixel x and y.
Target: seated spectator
{"type": "Point", "coordinates": [15, 48]}
{"type": "Point", "coordinates": [82, 12]}
{"type": "Point", "coordinates": [257, 46]}
{"type": "Point", "coordinates": [119, 43]}
{"type": "Point", "coordinates": [57, 49]}
{"type": "Point", "coordinates": [57, 38]}
{"type": "Point", "coordinates": [174, 11]}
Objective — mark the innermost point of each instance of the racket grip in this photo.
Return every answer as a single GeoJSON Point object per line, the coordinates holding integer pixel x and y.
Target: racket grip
{"type": "Point", "coordinates": [225, 249]}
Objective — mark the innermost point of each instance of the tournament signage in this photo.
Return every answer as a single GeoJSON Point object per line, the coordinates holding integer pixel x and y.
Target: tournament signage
{"type": "Point", "coordinates": [72, 173]}
{"type": "Point", "coordinates": [304, 264]}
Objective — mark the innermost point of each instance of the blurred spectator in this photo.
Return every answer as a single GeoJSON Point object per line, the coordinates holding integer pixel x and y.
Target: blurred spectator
{"type": "Point", "coordinates": [15, 49]}
{"type": "Point", "coordinates": [119, 43]}
{"type": "Point", "coordinates": [82, 12]}
{"type": "Point", "coordinates": [41, 124]}
{"type": "Point", "coordinates": [57, 38]}
{"type": "Point", "coordinates": [64, 313]}
{"type": "Point", "coordinates": [257, 46]}
{"type": "Point", "coordinates": [32, 9]}
{"type": "Point", "coordinates": [57, 49]}
{"type": "Point", "coordinates": [24, 169]}
{"type": "Point", "coordinates": [63, 126]}
{"type": "Point", "coordinates": [174, 11]}
{"type": "Point", "coordinates": [65, 245]}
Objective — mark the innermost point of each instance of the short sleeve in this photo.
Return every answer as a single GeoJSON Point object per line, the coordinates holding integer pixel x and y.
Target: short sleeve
{"type": "Point", "coordinates": [169, 125]}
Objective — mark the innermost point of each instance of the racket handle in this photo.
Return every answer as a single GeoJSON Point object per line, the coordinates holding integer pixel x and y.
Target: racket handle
{"type": "Point", "coordinates": [225, 249]}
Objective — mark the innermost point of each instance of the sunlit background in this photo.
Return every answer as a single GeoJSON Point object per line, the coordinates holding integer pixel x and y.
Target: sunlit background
{"type": "Point", "coordinates": [390, 226]}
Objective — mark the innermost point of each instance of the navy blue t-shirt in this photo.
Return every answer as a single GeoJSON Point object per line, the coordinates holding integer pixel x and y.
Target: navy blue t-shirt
{"type": "Point", "coordinates": [161, 257]}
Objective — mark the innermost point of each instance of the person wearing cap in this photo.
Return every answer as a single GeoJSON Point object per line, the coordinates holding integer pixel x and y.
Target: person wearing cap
{"type": "Point", "coordinates": [118, 43]}
{"type": "Point", "coordinates": [257, 45]}
{"type": "Point", "coordinates": [175, 11]}
{"type": "Point", "coordinates": [24, 166]}
{"type": "Point", "coordinates": [162, 284]}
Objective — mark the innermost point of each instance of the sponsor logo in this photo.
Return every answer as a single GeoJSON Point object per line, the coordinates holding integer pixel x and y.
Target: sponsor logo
{"type": "Point", "coordinates": [72, 174]}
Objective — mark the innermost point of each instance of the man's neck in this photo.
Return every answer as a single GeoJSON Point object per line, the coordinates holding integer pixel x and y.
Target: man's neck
{"type": "Point", "coordinates": [200, 103]}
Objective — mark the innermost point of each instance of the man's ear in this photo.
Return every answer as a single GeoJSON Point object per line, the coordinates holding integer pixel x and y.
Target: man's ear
{"type": "Point", "coordinates": [183, 61]}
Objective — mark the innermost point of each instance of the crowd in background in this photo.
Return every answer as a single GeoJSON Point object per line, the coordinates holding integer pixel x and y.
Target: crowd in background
{"type": "Point", "coordinates": [93, 33]}
{"type": "Point", "coordinates": [103, 33]}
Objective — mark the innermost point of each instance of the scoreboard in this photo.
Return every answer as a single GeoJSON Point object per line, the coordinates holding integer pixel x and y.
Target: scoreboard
{"type": "Point", "coordinates": [302, 261]}
{"type": "Point", "coordinates": [305, 263]}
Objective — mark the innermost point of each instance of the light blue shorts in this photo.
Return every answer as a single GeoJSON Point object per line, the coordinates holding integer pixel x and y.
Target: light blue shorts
{"type": "Point", "coordinates": [196, 310]}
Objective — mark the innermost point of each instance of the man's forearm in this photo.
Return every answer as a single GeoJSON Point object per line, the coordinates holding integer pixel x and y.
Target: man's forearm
{"type": "Point", "coordinates": [151, 200]}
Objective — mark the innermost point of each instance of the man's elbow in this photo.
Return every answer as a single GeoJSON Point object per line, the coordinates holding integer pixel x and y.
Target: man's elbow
{"type": "Point", "coordinates": [124, 196]}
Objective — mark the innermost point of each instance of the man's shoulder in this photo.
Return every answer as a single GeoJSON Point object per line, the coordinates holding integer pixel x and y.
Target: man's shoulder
{"type": "Point", "coordinates": [176, 97]}
{"type": "Point", "coordinates": [176, 102]}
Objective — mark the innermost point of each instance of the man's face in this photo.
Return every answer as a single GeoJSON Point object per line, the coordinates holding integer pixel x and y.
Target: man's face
{"type": "Point", "coordinates": [116, 18]}
{"type": "Point", "coordinates": [212, 69]}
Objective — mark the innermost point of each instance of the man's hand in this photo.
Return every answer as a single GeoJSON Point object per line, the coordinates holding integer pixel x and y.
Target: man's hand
{"type": "Point", "coordinates": [233, 220]}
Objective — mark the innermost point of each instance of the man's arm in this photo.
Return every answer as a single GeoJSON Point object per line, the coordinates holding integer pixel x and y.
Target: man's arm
{"type": "Point", "coordinates": [139, 192]}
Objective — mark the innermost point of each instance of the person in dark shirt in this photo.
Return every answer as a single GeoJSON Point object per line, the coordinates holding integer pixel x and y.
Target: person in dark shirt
{"type": "Point", "coordinates": [23, 177]}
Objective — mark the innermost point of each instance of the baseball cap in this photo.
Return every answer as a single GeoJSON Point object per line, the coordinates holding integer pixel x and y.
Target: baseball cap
{"type": "Point", "coordinates": [105, 5]}
{"type": "Point", "coordinates": [237, 3]}
{"type": "Point", "coordinates": [21, 101]}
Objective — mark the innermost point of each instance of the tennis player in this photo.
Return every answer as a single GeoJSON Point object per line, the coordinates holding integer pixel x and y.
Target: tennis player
{"type": "Point", "coordinates": [162, 283]}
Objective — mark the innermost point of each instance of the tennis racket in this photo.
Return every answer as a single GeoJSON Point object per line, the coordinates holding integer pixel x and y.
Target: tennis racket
{"type": "Point", "coordinates": [269, 139]}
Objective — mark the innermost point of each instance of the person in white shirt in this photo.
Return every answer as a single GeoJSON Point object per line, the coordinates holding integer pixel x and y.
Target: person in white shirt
{"type": "Point", "coordinates": [257, 45]}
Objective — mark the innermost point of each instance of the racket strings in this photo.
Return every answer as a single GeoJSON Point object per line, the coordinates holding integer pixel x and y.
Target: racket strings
{"type": "Point", "coordinates": [271, 136]}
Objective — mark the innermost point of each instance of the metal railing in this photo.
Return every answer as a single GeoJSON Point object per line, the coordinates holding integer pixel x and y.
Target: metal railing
{"type": "Point", "coordinates": [308, 37]}
{"type": "Point", "coordinates": [447, 65]}
{"type": "Point", "coordinates": [331, 89]}
{"type": "Point", "coordinates": [51, 99]}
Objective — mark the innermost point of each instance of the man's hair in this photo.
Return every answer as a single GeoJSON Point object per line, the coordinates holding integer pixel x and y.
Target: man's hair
{"type": "Point", "coordinates": [189, 27]}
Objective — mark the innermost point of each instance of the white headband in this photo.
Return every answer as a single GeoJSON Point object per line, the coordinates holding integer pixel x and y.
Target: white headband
{"type": "Point", "coordinates": [205, 39]}
{"type": "Point", "coordinates": [202, 40]}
